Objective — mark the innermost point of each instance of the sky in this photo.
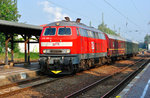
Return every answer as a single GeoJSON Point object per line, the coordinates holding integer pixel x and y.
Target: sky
{"type": "Point", "coordinates": [129, 18]}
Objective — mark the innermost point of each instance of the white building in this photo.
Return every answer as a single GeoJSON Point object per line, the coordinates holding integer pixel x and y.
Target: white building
{"type": "Point", "coordinates": [34, 47]}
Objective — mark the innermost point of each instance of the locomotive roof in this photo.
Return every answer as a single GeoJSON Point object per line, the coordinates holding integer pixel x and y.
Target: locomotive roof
{"type": "Point", "coordinates": [73, 23]}
{"type": "Point", "coordinates": [128, 40]}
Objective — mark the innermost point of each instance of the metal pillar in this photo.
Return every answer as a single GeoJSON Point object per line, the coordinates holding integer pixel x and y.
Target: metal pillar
{"type": "Point", "coordinates": [28, 51]}
{"type": "Point", "coordinates": [12, 48]}
{"type": "Point", "coordinates": [6, 49]}
{"type": "Point", "coordinates": [25, 48]}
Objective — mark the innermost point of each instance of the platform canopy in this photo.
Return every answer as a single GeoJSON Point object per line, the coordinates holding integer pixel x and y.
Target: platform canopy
{"type": "Point", "coordinates": [11, 29]}
{"type": "Point", "coordinates": [19, 28]}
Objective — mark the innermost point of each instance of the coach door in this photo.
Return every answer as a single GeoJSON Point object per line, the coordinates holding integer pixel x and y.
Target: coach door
{"type": "Point", "coordinates": [116, 47]}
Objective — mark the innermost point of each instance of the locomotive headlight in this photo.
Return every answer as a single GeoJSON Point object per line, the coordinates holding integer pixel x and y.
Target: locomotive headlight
{"type": "Point", "coordinates": [44, 51]}
{"type": "Point", "coordinates": [66, 51]}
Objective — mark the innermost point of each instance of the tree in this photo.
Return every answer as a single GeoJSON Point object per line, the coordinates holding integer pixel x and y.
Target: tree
{"type": "Point", "coordinates": [147, 40]}
{"type": "Point", "coordinates": [8, 11]}
{"type": "Point", "coordinates": [103, 27]}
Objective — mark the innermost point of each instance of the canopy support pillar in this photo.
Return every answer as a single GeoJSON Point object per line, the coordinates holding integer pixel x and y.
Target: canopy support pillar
{"type": "Point", "coordinates": [29, 49]}
{"type": "Point", "coordinates": [6, 49]}
{"type": "Point", "coordinates": [12, 48]}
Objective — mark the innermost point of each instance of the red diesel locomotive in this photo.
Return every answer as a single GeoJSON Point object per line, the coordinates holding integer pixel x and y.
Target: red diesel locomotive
{"type": "Point", "coordinates": [69, 46]}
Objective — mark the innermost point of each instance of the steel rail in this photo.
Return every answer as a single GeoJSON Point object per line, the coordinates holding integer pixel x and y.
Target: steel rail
{"type": "Point", "coordinates": [117, 87]}
{"type": "Point", "coordinates": [22, 82]}
{"type": "Point", "coordinates": [8, 93]}
{"type": "Point", "coordinates": [77, 93]}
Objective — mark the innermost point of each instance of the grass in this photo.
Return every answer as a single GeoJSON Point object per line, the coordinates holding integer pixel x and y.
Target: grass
{"type": "Point", "coordinates": [19, 57]}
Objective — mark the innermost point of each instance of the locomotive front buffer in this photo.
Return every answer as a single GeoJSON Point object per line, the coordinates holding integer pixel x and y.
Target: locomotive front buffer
{"type": "Point", "coordinates": [58, 64]}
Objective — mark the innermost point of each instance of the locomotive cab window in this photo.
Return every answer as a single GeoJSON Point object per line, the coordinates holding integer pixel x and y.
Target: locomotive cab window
{"type": "Point", "coordinates": [49, 31]}
{"type": "Point", "coordinates": [64, 31]}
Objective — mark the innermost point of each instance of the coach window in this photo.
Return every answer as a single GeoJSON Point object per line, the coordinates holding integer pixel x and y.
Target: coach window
{"type": "Point", "coordinates": [122, 45]}
{"type": "Point", "coordinates": [113, 44]}
{"type": "Point", "coordinates": [49, 31]}
{"type": "Point", "coordinates": [64, 31]}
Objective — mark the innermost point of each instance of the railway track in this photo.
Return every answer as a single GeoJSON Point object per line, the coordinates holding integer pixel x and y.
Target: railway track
{"type": "Point", "coordinates": [129, 77]}
{"type": "Point", "coordinates": [14, 88]}
{"type": "Point", "coordinates": [114, 89]}
{"type": "Point", "coordinates": [10, 89]}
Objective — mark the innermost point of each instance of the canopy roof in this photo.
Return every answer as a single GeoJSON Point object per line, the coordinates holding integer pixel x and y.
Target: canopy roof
{"type": "Point", "coordinates": [19, 28]}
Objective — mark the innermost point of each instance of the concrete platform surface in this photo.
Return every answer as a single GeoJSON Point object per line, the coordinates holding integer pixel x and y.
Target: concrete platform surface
{"type": "Point", "coordinates": [18, 72]}
{"type": "Point", "coordinates": [139, 87]}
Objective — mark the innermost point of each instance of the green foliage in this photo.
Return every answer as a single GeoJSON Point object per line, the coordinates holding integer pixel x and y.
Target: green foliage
{"type": "Point", "coordinates": [20, 56]}
{"type": "Point", "coordinates": [33, 56]}
{"type": "Point", "coordinates": [142, 45]}
{"type": "Point", "coordinates": [103, 27]}
{"type": "Point", "coordinates": [2, 44]}
{"type": "Point", "coordinates": [147, 39]}
{"type": "Point", "coordinates": [8, 11]}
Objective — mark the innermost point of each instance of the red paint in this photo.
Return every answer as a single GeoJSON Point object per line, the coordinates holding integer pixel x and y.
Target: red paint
{"type": "Point", "coordinates": [81, 45]}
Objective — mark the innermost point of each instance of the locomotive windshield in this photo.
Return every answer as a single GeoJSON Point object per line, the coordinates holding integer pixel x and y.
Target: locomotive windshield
{"type": "Point", "coordinates": [49, 31]}
{"type": "Point", "coordinates": [64, 31]}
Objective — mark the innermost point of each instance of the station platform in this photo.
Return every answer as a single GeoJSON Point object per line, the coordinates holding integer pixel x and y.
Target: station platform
{"type": "Point", "coordinates": [139, 87]}
{"type": "Point", "coordinates": [18, 72]}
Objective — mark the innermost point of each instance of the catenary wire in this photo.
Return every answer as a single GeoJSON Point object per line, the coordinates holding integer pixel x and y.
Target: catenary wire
{"type": "Point", "coordinates": [119, 12]}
